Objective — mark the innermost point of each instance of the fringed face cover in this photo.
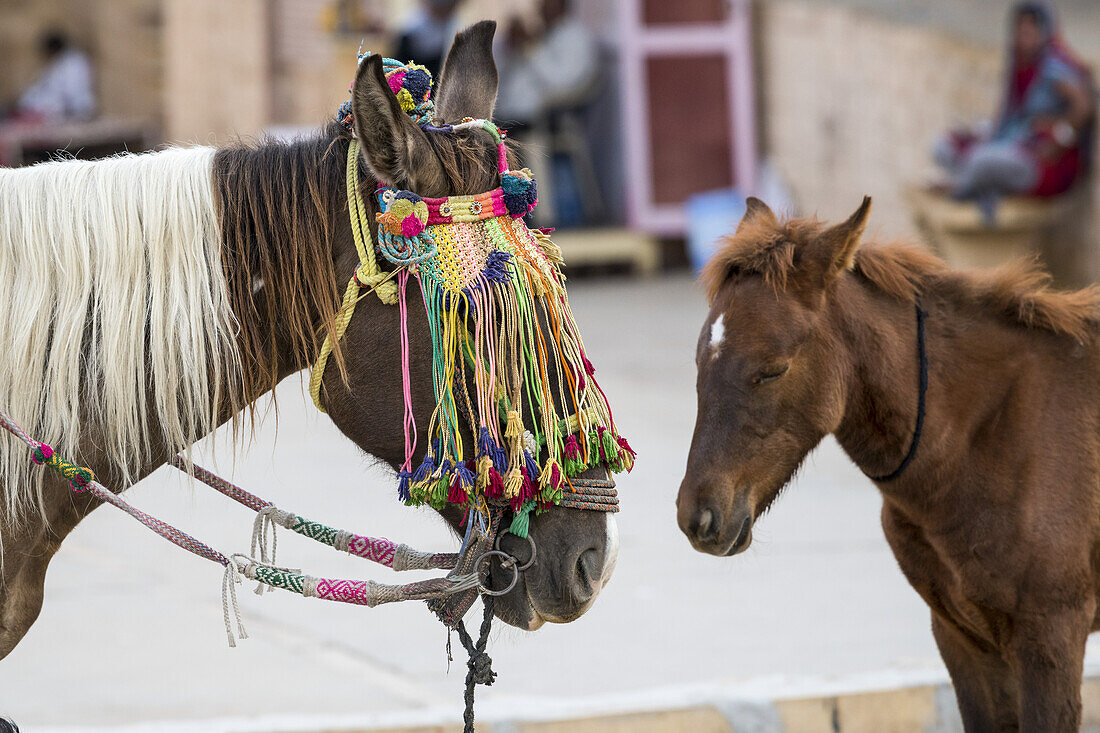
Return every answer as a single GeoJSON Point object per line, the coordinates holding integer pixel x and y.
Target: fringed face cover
{"type": "Point", "coordinates": [508, 362]}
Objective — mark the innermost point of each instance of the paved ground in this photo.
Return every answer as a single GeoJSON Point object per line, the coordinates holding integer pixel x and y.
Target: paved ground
{"type": "Point", "coordinates": [131, 632]}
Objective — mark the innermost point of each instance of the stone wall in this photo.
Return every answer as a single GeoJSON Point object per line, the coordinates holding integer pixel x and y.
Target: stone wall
{"type": "Point", "coordinates": [851, 100]}
{"type": "Point", "coordinates": [122, 37]}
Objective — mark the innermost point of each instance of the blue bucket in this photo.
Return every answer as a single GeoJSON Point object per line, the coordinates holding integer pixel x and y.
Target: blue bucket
{"type": "Point", "coordinates": [711, 216]}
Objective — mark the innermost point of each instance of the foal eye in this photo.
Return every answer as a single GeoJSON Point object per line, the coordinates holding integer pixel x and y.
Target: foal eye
{"type": "Point", "coordinates": [770, 375]}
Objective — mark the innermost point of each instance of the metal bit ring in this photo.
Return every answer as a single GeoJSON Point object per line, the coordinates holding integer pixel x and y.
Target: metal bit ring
{"type": "Point", "coordinates": [530, 541]}
{"type": "Point", "coordinates": [507, 561]}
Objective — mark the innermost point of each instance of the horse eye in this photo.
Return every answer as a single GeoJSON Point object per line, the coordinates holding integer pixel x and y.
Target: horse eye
{"type": "Point", "coordinates": [771, 375]}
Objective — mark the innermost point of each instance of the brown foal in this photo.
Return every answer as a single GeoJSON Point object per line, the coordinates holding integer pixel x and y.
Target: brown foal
{"type": "Point", "coordinates": [994, 515]}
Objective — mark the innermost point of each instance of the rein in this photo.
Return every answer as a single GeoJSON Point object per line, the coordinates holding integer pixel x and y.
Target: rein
{"type": "Point", "coordinates": [398, 557]}
{"type": "Point", "coordinates": [922, 391]}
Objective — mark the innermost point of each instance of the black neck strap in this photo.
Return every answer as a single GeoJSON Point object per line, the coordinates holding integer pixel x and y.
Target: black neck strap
{"type": "Point", "coordinates": [922, 390]}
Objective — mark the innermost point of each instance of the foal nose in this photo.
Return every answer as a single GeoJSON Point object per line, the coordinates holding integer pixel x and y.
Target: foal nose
{"type": "Point", "coordinates": [702, 525]}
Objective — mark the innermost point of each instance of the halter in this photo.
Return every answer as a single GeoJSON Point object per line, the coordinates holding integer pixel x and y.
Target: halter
{"type": "Point", "coordinates": [922, 393]}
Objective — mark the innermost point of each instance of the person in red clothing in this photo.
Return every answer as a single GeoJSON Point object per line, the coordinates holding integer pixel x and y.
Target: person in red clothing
{"type": "Point", "coordinates": [1041, 140]}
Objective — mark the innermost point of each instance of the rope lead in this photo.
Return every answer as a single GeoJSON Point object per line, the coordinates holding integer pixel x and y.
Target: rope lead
{"type": "Point", "coordinates": [479, 668]}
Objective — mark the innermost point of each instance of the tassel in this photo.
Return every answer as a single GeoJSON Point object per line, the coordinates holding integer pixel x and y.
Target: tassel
{"type": "Point", "coordinates": [532, 465]}
{"type": "Point", "coordinates": [550, 482]}
{"type": "Point", "coordinates": [465, 476]}
{"type": "Point", "coordinates": [486, 446]}
{"type": "Point", "coordinates": [521, 521]}
{"type": "Point", "coordinates": [456, 494]}
{"type": "Point", "coordinates": [500, 459]}
{"type": "Point", "coordinates": [609, 449]}
{"type": "Point", "coordinates": [441, 485]}
{"type": "Point", "coordinates": [439, 492]}
{"type": "Point", "coordinates": [403, 486]}
{"type": "Point", "coordinates": [514, 430]}
{"type": "Point", "coordinates": [426, 469]}
{"type": "Point", "coordinates": [588, 365]}
{"type": "Point", "coordinates": [495, 488]}
{"type": "Point", "coordinates": [529, 489]}
{"type": "Point", "coordinates": [626, 454]}
{"type": "Point", "coordinates": [595, 449]}
{"type": "Point", "coordinates": [482, 466]}
{"type": "Point", "coordinates": [572, 463]}
{"type": "Point", "coordinates": [513, 484]}
{"type": "Point", "coordinates": [547, 472]}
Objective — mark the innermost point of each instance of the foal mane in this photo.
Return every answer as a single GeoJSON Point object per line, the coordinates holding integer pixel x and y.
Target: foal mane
{"type": "Point", "coordinates": [1020, 290]}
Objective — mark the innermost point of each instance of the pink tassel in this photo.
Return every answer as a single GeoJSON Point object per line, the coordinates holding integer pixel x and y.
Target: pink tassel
{"type": "Point", "coordinates": [626, 446]}
{"type": "Point", "coordinates": [456, 495]}
{"type": "Point", "coordinates": [572, 448]}
{"type": "Point", "coordinates": [495, 488]}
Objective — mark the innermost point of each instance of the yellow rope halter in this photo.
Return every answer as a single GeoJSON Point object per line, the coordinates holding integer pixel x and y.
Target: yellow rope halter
{"type": "Point", "coordinates": [368, 277]}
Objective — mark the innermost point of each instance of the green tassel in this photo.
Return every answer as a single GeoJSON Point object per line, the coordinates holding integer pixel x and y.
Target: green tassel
{"type": "Point", "coordinates": [418, 492]}
{"type": "Point", "coordinates": [521, 522]}
{"type": "Point", "coordinates": [610, 447]}
{"type": "Point", "coordinates": [594, 448]}
{"type": "Point", "coordinates": [439, 492]}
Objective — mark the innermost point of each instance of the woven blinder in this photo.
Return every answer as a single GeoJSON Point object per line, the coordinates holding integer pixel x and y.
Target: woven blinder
{"type": "Point", "coordinates": [508, 362]}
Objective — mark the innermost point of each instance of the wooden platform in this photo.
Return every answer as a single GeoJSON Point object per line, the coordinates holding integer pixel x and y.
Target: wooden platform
{"type": "Point", "coordinates": [29, 143]}
{"type": "Point", "coordinates": [956, 231]}
{"type": "Point", "coordinates": [607, 246]}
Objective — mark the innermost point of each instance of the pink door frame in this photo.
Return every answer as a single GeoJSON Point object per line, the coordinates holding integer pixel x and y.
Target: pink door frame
{"type": "Point", "coordinates": [733, 39]}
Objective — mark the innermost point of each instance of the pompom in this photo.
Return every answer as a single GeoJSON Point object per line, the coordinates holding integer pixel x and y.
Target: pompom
{"type": "Point", "coordinates": [418, 82]}
{"type": "Point", "coordinates": [405, 216]}
{"type": "Point", "coordinates": [520, 192]}
{"type": "Point", "coordinates": [412, 85]}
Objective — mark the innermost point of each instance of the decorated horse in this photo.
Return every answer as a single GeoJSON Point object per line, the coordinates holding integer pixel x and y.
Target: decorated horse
{"type": "Point", "coordinates": [970, 399]}
{"type": "Point", "coordinates": [154, 297]}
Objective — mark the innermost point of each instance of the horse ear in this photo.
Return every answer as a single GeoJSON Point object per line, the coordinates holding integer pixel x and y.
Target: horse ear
{"type": "Point", "coordinates": [837, 246]}
{"type": "Point", "coordinates": [468, 83]}
{"type": "Point", "coordinates": [395, 148]}
{"type": "Point", "coordinates": [757, 210]}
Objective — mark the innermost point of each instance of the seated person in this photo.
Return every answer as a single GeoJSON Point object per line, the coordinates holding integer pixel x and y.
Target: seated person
{"type": "Point", "coordinates": [64, 89]}
{"type": "Point", "coordinates": [427, 36]}
{"type": "Point", "coordinates": [555, 68]}
{"type": "Point", "coordinates": [1036, 146]}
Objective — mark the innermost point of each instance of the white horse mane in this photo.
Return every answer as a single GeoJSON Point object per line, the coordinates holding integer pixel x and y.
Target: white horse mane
{"type": "Point", "coordinates": [117, 323]}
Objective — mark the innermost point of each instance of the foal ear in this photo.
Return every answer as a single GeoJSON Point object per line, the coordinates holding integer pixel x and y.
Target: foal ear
{"type": "Point", "coordinates": [757, 211]}
{"type": "Point", "coordinates": [468, 83]}
{"type": "Point", "coordinates": [395, 148]}
{"type": "Point", "coordinates": [836, 248]}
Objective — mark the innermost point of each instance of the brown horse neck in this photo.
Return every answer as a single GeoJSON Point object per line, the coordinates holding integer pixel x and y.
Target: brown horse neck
{"type": "Point", "coordinates": [881, 403]}
{"type": "Point", "coordinates": [288, 249]}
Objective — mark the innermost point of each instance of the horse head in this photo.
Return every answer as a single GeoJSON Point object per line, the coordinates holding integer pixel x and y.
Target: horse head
{"type": "Point", "coordinates": [576, 549]}
{"type": "Point", "coordinates": [771, 370]}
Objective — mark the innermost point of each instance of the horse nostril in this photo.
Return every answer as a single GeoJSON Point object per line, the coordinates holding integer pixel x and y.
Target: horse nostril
{"type": "Point", "coordinates": [704, 524]}
{"type": "Point", "coordinates": [589, 567]}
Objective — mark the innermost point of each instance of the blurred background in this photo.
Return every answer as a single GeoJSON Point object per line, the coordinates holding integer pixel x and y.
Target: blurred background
{"type": "Point", "coordinates": [807, 103]}
{"type": "Point", "coordinates": [647, 122]}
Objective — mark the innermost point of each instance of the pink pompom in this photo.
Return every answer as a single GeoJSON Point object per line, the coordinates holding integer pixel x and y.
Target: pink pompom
{"type": "Point", "coordinates": [395, 80]}
{"type": "Point", "coordinates": [411, 226]}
